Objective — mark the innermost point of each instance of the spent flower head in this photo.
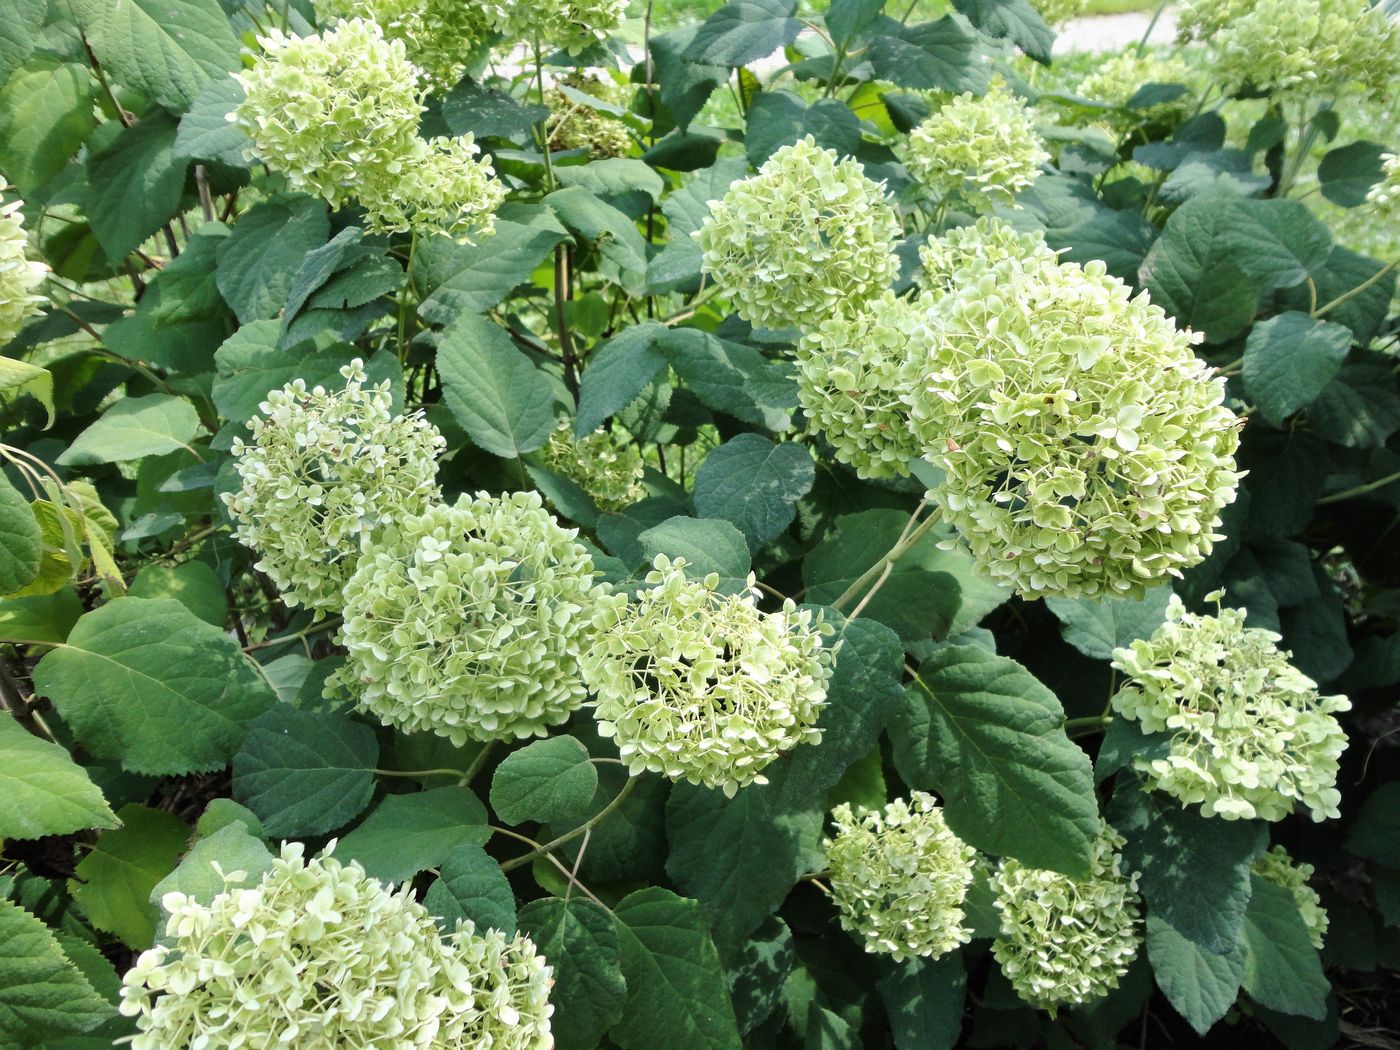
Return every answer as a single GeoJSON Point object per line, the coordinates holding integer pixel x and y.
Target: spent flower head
{"type": "Point", "coordinates": [321, 472]}
{"type": "Point", "coordinates": [1250, 736]}
{"type": "Point", "coordinates": [900, 877]}
{"type": "Point", "coordinates": [437, 35]}
{"type": "Point", "coordinates": [574, 124]}
{"type": "Point", "coordinates": [609, 470]}
{"type": "Point", "coordinates": [18, 276]}
{"type": "Point", "coordinates": [1282, 870]}
{"type": "Point", "coordinates": [704, 686]}
{"type": "Point", "coordinates": [1085, 447]}
{"type": "Point", "coordinates": [317, 954]}
{"type": "Point", "coordinates": [807, 236]}
{"type": "Point", "coordinates": [984, 150]}
{"type": "Point", "coordinates": [470, 621]}
{"type": "Point", "coordinates": [1067, 941]}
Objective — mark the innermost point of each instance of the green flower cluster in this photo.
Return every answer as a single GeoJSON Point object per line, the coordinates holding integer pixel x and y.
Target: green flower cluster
{"type": "Point", "coordinates": [611, 473]}
{"type": "Point", "coordinates": [1085, 447]}
{"type": "Point", "coordinates": [321, 473]}
{"type": "Point", "coordinates": [851, 380]}
{"type": "Point", "coordinates": [577, 125]}
{"type": "Point", "coordinates": [1058, 12]}
{"type": "Point", "coordinates": [1117, 79]}
{"type": "Point", "coordinates": [1250, 736]}
{"type": "Point", "coordinates": [470, 621]}
{"type": "Point", "coordinates": [319, 955]}
{"type": "Point", "coordinates": [1384, 196]}
{"type": "Point", "coordinates": [983, 150]}
{"type": "Point", "coordinates": [1280, 869]}
{"type": "Point", "coordinates": [806, 237]}
{"type": "Point", "coordinates": [1066, 941]}
{"type": "Point", "coordinates": [900, 877]}
{"type": "Point", "coordinates": [338, 114]}
{"type": "Point", "coordinates": [705, 686]}
{"type": "Point", "coordinates": [18, 276]}
{"type": "Point", "coordinates": [965, 252]}
{"type": "Point", "coordinates": [1298, 48]}
{"type": "Point", "coordinates": [569, 25]}
{"type": "Point", "coordinates": [437, 35]}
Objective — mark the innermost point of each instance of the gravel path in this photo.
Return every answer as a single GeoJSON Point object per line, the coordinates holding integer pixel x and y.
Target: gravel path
{"type": "Point", "coordinates": [1114, 32]}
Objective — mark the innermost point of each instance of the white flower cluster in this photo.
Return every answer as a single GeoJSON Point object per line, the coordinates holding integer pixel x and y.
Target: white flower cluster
{"type": "Point", "coordinates": [319, 955]}
{"type": "Point", "coordinates": [338, 112]}
{"type": "Point", "coordinates": [900, 877]}
{"type": "Point", "coordinates": [961, 254]}
{"type": "Point", "coordinates": [983, 150]}
{"type": "Point", "coordinates": [705, 686]}
{"type": "Point", "coordinates": [806, 237]}
{"type": "Point", "coordinates": [571, 25]}
{"type": "Point", "coordinates": [1384, 196]}
{"type": "Point", "coordinates": [320, 474]}
{"type": "Point", "coordinates": [470, 621]}
{"type": "Point", "coordinates": [1281, 869]}
{"type": "Point", "coordinates": [18, 276]}
{"type": "Point", "coordinates": [437, 35]}
{"type": "Point", "coordinates": [1066, 941]}
{"type": "Point", "coordinates": [1251, 737]}
{"type": "Point", "coordinates": [609, 471]}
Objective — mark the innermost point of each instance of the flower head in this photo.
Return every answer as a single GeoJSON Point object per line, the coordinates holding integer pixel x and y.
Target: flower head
{"type": "Point", "coordinates": [985, 150]}
{"type": "Point", "coordinates": [326, 109]}
{"type": "Point", "coordinates": [807, 236]}
{"type": "Point", "coordinates": [322, 471]}
{"type": "Point", "coordinates": [1250, 736]}
{"type": "Point", "coordinates": [900, 877]}
{"type": "Point", "coordinates": [1298, 48]}
{"type": "Point", "coordinates": [577, 125]}
{"type": "Point", "coordinates": [851, 379]}
{"type": "Point", "coordinates": [1282, 870]}
{"type": "Point", "coordinates": [1085, 447]}
{"type": "Point", "coordinates": [437, 35]}
{"type": "Point", "coordinates": [1117, 79]}
{"type": "Point", "coordinates": [569, 25]}
{"type": "Point", "coordinates": [1058, 12]}
{"type": "Point", "coordinates": [963, 253]}
{"type": "Point", "coordinates": [441, 186]}
{"type": "Point", "coordinates": [1384, 196]}
{"type": "Point", "coordinates": [1063, 940]}
{"type": "Point", "coordinates": [610, 472]}
{"type": "Point", "coordinates": [705, 686]}
{"type": "Point", "coordinates": [318, 954]}
{"type": "Point", "coordinates": [470, 621]}
{"type": "Point", "coordinates": [18, 276]}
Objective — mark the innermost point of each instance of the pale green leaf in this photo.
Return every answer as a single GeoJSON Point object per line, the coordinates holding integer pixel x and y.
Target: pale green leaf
{"type": "Point", "coordinates": [134, 428]}
{"type": "Point", "coordinates": [20, 377]}
{"type": "Point", "coordinates": [42, 988]}
{"type": "Point", "coordinates": [233, 848]}
{"type": "Point", "coordinates": [114, 881]}
{"type": "Point", "coordinates": [45, 791]}
{"type": "Point", "coordinates": [21, 542]}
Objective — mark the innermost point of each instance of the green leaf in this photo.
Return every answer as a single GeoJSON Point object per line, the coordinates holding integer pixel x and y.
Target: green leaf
{"type": "Point", "coordinates": [45, 791]}
{"type": "Point", "coordinates": [622, 249]}
{"type": "Point", "coordinates": [989, 738]}
{"type": "Point", "coordinates": [134, 428]}
{"type": "Point", "coordinates": [828, 1030]}
{"type": "Point", "coordinates": [614, 177]}
{"type": "Point", "coordinates": [260, 260]}
{"type": "Point", "coordinates": [744, 31]}
{"type": "Point", "coordinates": [165, 49]}
{"type": "Point", "coordinates": [757, 970]}
{"type": "Point", "coordinates": [933, 56]}
{"type": "Point", "coordinates": [617, 374]}
{"type": "Point", "coordinates": [21, 34]}
{"type": "Point", "coordinates": [46, 114]}
{"type": "Point", "coordinates": [676, 992]}
{"type": "Point", "coordinates": [113, 883]}
{"type": "Point", "coordinates": [43, 989]}
{"type": "Point", "coordinates": [1288, 360]}
{"type": "Point", "coordinates": [472, 886]}
{"type": "Point", "coordinates": [20, 377]}
{"type": "Point", "coordinates": [1347, 174]}
{"type": "Point", "coordinates": [43, 618]}
{"type": "Point", "coordinates": [845, 18]}
{"type": "Point", "coordinates": [186, 286]}
{"type": "Point", "coordinates": [706, 544]}
{"type": "Point", "coordinates": [631, 843]}
{"type": "Point", "coordinates": [755, 484]}
{"type": "Point", "coordinates": [1098, 626]}
{"type": "Point", "coordinates": [731, 378]}
{"type": "Point", "coordinates": [779, 118]}
{"type": "Point", "coordinates": [406, 834]}
{"type": "Point", "coordinates": [303, 772]}
{"type": "Point", "coordinates": [146, 682]}
{"type": "Point", "coordinates": [21, 543]}
{"type": "Point", "coordinates": [1376, 833]}
{"type": "Point", "coordinates": [251, 363]}
{"type": "Point", "coordinates": [1082, 228]}
{"type": "Point", "coordinates": [737, 856]}
{"type": "Point", "coordinates": [545, 781]}
{"type": "Point", "coordinates": [924, 999]}
{"type": "Point", "coordinates": [1282, 970]}
{"type": "Point", "coordinates": [233, 848]}
{"type": "Point", "coordinates": [206, 133]}
{"type": "Point", "coordinates": [192, 583]}
{"type": "Point", "coordinates": [1358, 408]}
{"type": "Point", "coordinates": [134, 185]}
{"type": "Point", "coordinates": [1199, 983]}
{"type": "Point", "coordinates": [1178, 851]}
{"type": "Point", "coordinates": [473, 278]}
{"type": "Point", "coordinates": [1013, 20]}
{"type": "Point", "coordinates": [677, 266]}
{"type": "Point", "coordinates": [470, 108]}
{"type": "Point", "coordinates": [580, 942]}
{"type": "Point", "coordinates": [503, 401]}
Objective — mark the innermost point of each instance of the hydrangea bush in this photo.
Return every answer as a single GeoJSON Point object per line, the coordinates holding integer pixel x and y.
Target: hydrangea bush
{"type": "Point", "coordinates": [748, 526]}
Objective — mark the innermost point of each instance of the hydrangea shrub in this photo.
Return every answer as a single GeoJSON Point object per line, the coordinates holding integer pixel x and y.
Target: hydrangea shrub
{"type": "Point", "coordinates": [785, 525]}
